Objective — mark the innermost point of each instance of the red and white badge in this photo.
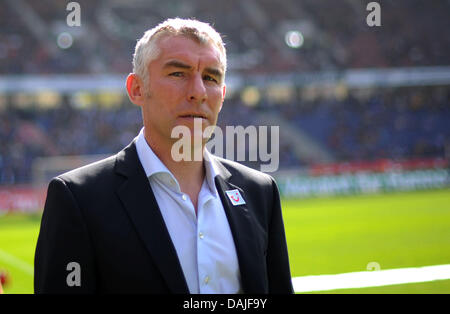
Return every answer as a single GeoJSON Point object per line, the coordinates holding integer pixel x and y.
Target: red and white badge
{"type": "Point", "coordinates": [235, 197]}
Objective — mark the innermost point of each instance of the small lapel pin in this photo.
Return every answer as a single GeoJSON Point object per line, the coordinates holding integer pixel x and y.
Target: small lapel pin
{"type": "Point", "coordinates": [235, 197]}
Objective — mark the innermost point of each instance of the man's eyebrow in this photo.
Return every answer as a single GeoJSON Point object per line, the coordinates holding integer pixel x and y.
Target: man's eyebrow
{"type": "Point", "coordinates": [210, 70]}
{"type": "Point", "coordinates": [177, 64]}
{"type": "Point", "coordinates": [215, 72]}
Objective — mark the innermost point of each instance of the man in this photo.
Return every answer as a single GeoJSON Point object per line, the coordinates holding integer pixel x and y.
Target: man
{"type": "Point", "coordinates": [142, 222]}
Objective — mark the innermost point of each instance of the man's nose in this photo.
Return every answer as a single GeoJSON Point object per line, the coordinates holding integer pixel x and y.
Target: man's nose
{"type": "Point", "coordinates": [197, 90]}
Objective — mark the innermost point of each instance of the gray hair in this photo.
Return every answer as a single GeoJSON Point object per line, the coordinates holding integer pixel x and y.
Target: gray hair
{"type": "Point", "coordinates": [147, 48]}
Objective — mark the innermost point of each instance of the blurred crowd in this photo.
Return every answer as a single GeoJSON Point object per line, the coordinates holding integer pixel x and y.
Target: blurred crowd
{"type": "Point", "coordinates": [336, 36]}
{"type": "Point", "coordinates": [395, 123]}
{"type": "Point", "coordinates": [27, 134]}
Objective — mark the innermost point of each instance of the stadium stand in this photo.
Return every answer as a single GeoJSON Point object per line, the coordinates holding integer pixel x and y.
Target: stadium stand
{"type": "Point", "coordinates": [336, 35]}
{"type": "Point", "coordinates": [395, 122]}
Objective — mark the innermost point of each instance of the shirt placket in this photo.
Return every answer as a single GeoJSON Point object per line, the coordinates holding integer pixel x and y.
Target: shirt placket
{"type": "Point", "coordinates": [205, 274]}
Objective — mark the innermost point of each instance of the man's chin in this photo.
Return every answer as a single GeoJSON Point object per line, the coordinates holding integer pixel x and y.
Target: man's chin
{"type": "Point", "coordinates": [196, 126]}
{"type": "Point", "coordinates": [192, 121]}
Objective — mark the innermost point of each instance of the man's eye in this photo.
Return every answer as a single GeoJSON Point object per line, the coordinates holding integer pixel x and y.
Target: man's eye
{"type": "Point", "coordinates": [209, 78]}
{"type": "Point", "coordinates": [176, 74]}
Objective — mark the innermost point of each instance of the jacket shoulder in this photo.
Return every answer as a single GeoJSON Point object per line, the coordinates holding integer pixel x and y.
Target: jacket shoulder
{"type": "Point", "coordinates": [90, 173]}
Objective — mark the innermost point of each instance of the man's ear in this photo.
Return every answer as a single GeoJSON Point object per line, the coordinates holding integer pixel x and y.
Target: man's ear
{"type": "Point", "coordinates": [135, 89]}
{"type": "Point", "coordinates": [224, 91]}
{"type": "Point", "coordinates": [223, 96]}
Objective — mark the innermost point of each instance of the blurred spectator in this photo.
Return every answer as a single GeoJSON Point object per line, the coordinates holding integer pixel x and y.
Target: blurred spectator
{"type": "Point", "coordinates": [395, 123]}
{"type": "Point", "coordinates": [392, 123]}
{"type": "Point", "coordinates": [413, 33]}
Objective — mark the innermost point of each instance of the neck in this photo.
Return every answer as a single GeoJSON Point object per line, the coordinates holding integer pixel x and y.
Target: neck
{"type": "Point", "coordinates": [189, 173]}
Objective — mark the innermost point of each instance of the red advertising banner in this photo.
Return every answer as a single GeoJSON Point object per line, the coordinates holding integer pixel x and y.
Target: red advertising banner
{"type": "Point", "coordinates": [22, 198]}
{"type": "Point", "coordinates": [382, 165]}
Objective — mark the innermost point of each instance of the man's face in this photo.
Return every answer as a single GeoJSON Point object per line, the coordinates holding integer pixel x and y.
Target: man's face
{"type": "Point", "coordinates": [186, 81]}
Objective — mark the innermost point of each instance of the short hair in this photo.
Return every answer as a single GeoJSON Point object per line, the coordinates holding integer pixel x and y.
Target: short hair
{"type": "Point", "coordinates": [147, 48]}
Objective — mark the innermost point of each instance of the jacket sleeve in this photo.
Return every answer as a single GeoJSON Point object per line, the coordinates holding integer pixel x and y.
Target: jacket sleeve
{"type": "Point", "coordinates": [277, 258]}
{"type": "Point", "coordinates": [64, 261]}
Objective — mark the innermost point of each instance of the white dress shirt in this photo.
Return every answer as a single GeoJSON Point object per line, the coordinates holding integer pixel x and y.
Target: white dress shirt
{"type": "Point", "coordinates": [204, 243]}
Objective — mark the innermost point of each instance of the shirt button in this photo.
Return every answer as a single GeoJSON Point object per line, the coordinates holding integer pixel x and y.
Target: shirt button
{"type": "Point", "coordinates": [206, 280]}
{"type": "Point", "coordinates": [184, 197]}
{"type": "Point", "coordinates": [200, 235]}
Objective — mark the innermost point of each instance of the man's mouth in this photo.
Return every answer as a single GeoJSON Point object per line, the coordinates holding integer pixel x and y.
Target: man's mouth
{"type": "Point", "coordinates": [199, 116]}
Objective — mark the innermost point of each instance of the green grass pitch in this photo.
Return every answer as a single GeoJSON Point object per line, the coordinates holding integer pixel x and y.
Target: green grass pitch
{"type": "Point", "coordinates": [325, 236]}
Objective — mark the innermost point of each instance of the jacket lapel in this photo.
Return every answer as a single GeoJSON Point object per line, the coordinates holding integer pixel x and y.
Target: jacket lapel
{"type": "Point", "coordinates": [242, 229]}
{"type": "Point", "coordinates": [138, 199]}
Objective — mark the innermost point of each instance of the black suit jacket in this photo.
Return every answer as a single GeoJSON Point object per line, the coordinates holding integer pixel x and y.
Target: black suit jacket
{"type": "Point", "coordinates": [105, 217]}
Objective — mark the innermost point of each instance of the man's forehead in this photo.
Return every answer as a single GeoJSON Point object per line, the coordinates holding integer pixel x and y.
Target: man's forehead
{"type": "Point", "coordinates": [188, 50]}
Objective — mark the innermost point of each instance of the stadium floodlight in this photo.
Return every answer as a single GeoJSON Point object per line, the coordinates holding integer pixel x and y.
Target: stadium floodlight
{"type": "Point", "coordinates": [250, 96]}
{"type": "Point", "coordinates": [294, 39]}
{"type": "Point", "coordinates": [65, 40]}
